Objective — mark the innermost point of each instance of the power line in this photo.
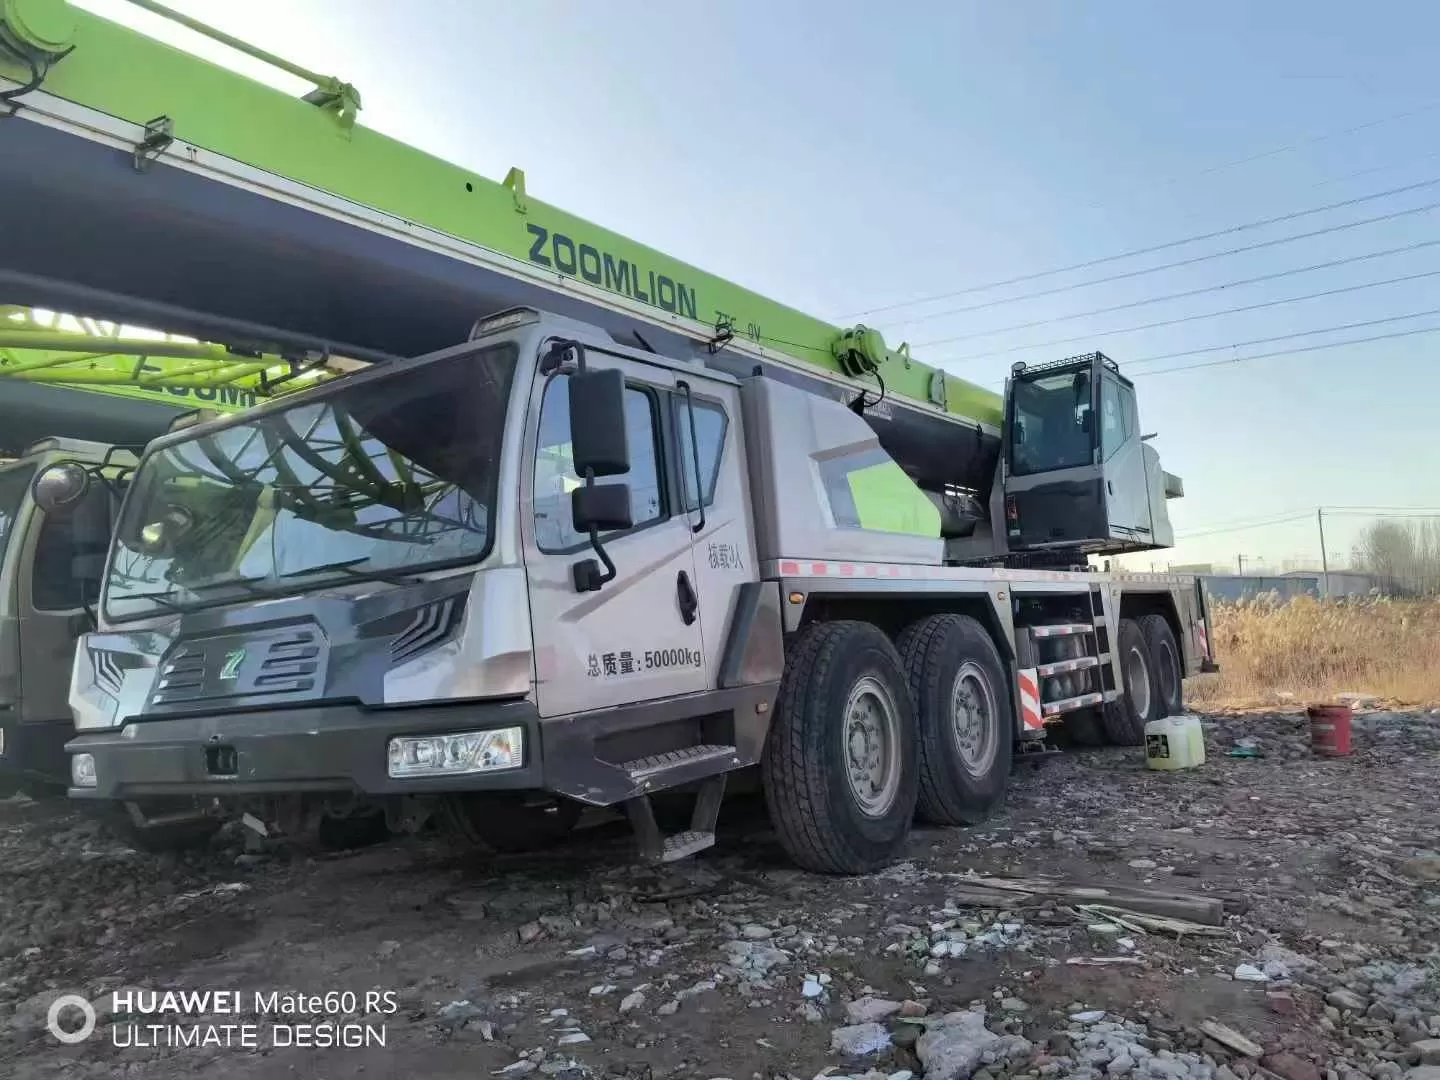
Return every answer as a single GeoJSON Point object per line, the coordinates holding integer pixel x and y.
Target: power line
{"type": "Point", "coordinates": [1323, 137]}
{"type": "Point", "coordinates": [1193, 260]}
{"type": "Point", "coordinates": [1091, 336]}
{"type": "Point", "coordinates": [1280, 337]}
{"type": "Point", "coordinates": [1291, 352]}
{"type": "Point", "coordinates": [1186, 294]}
{"type": "Point", "coordinates": [1298, 516]}
{"type": "Point", "coordinates": [1088, 264]}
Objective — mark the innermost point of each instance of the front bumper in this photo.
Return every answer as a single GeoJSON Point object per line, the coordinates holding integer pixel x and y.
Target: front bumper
{"type": "Point", "coordinates": [326, 748]}
{"type": "Point", "coordinates": [588, 757]}
{"type": "Point", "coordinates": [35, 751]}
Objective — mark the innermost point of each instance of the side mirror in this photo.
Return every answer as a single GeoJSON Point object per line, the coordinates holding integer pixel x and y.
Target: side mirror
{"type": "Point", "coordinates": [1087, 422]}
{"type": "Point", "coordinates": [602, 507]}
{"type": "Point", "coordinates": [597, 423]}
{"type": "Point", "coordinates": [60, 485]}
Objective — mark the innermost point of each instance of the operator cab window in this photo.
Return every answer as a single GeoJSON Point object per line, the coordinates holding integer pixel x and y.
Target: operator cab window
{"type": "Point", "coordinates": [1113, 418]}
{"type": "Point", "coordinates": [555, 475]}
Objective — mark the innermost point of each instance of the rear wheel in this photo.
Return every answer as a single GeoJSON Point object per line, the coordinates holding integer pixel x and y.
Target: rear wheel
{"type": "Point", "coordinates": [1125, 720]}
{"type": "Point", "coordinates": [964, 718]}
{"type": "Point", "coordinates": [1165, 670]}
{"type": "Point", "coordinates": [839, 768]}
{"type": "Point", "coordinates": [510, 823]}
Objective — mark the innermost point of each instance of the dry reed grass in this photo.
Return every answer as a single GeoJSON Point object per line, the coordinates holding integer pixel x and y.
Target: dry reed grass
{"type": "Point", "coordinates": [1308, 651]}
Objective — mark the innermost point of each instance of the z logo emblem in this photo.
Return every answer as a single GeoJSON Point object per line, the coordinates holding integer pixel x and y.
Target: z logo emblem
{"type": "Point", "coordinates": [230, 670]}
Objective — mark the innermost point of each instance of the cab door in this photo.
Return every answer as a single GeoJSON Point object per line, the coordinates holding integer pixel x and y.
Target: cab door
{"type": "Point", "coordinates": [1122, 454]}
{"type": "Point", "coordinates": [637, 638]}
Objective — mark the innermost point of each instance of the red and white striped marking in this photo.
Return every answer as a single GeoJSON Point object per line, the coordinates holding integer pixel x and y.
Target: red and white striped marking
{"type": "Point", "coordinates": [1030, 714]}
{"type": "Point", "coordinates": [1204, 639]}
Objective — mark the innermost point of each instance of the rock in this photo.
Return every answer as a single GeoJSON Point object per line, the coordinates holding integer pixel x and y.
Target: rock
{"type": "Point", "coordinates": [1423, 867]}
{"type": "Point", "coordinates": [1143, 864]}
{"type": "Point", "coordinates": [1429, 1051]}
{"type": "Point", "coordinates": [631, 1002]}
{"type": "Point", "coordinates": [859, 1040]}
{"type": "Point", "coordinates": [1280, 1003]}
{"type": "Point", "coordinates": [913, 1009]}
{"type": "Point", "coordinates": [756, 932]}
{"type": "Point", "coordinates": [570, 1038]}
{"type": "Point", "coordinates": [953, 1047]}
{"type": "Point", "coordinates": [1424, 1072]}
{"type": "Point", "coordinates": [811, 987]}
{"type": "Point", "coordinates": [868, 1010]}
{"type": "Point", "coordinates": [1014, 1005]}
{"type": "Point", "coordinates": [531, 931]}
{"type": "Point", "coordinates": [1250, 973]}
{"type": "Point", "coordinates": [1346, 999]}
{"type": "Point", "coordinates": [1089, 1016]}
{"type": "Point", "coordinates": [1290, 1067]}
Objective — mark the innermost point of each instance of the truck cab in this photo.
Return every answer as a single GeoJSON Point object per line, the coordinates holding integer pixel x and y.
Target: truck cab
{"type": "Point", "coordinates": [51, 565]}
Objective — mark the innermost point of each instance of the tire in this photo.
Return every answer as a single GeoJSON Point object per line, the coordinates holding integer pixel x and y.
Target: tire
{"type": "Point", "coordinates": [1125, 720]}
{"type": "Point", "coordinates": [1165, 673]}
{"type": "Point", "coordinates": [844, 691]}
{"type": "Point", "coordinates": [956, 676]}
{"type": "Point", "coordinates": [511, 824]}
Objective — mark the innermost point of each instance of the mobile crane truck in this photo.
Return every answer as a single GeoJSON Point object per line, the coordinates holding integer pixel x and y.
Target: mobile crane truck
{"type": "Point", "coordinates": [79, 392]}
{"type": "Point", "coordinates": [613, 527]}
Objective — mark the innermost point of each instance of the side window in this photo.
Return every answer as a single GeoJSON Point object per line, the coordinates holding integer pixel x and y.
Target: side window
{"type": "Point", "coordinates": [1112, 418]}
{"type": "Point", "coordinates": [555, 467]}
{"type": "Point", "coordinates": [1128, 416]}
{"type": "Point", "coordinates": [710, 426]}
{"type": "Point", "coordinates": [65, 538]}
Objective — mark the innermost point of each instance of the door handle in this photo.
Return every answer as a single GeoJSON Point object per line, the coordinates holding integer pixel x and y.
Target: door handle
{"type": "Point", "coordinates": [1110, 486]}
{"type": "Point", "coordinates": [685, 593]}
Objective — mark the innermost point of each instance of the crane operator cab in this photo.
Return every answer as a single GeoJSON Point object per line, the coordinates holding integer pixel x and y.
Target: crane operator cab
{"type": "Point", "coordinates": [1078, 475]}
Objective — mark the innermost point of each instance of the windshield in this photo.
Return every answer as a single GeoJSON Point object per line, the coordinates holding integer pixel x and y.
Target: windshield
{"type": "Point", "coordinates": [1049, 414]}
{"type": "Point", "coordinates": [387, 476]}
{"type": "Point", "coordinates": [14, 483]}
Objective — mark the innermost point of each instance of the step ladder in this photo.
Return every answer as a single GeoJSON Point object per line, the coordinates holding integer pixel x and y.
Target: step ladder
{"type": "Point", "coordinates": [708, 764]}
{"type": "Point", "coordinates": [1062, 667]}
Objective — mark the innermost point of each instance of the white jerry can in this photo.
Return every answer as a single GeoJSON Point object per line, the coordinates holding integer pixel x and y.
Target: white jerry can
{"type": "Point", "coordinates": [1175, 742]}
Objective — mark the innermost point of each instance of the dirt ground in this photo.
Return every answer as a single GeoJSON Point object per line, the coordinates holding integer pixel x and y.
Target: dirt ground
{"type": "Point", "coordinates": [581, 963]}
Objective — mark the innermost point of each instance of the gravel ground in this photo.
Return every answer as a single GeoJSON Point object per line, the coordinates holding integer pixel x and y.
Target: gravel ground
{"type": "Point", "coordinates": [580, 963]}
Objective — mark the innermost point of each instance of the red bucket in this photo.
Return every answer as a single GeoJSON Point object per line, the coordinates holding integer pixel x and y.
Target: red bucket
{"type": "Point", "coordinates": [1330, 730]}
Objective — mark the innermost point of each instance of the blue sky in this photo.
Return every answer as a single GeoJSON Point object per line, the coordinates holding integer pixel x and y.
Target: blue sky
{"type": "Point", "coordinates": [850, 155]}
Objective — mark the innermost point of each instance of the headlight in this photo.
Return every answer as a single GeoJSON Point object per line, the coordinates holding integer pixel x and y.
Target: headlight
{"type": "Point", "coordinates": [451, 755]}
{"type": "Point", "coordinates": [82, 770]}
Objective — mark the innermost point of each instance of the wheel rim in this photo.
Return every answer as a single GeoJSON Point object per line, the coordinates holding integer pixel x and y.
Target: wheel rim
{"type": "Point", "coordinates": [972, 719]}
{"type": "Point", "coordinates": [1169, 672]}
{"type": "Point", "coordinates": [1137, 680]}
{"type": "Point", "coordinates": [871, 746]}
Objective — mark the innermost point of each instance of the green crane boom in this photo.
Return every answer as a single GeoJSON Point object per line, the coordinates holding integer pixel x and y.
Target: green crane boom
{"type": "Point", "coordinates": [187, 107]}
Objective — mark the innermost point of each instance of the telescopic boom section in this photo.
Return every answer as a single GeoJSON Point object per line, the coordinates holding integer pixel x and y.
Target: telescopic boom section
{"type": "Point", "coordinates": [440, 246]}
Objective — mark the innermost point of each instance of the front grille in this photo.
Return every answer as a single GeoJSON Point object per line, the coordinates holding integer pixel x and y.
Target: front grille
{"type": "Point", "coordinates": [288, 663]}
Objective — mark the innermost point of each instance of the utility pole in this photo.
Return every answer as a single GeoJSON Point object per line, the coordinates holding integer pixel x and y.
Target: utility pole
{"type": "Point", "coordinates": [1324, 557]}
{"type": "Point", "coordinates": [1240, 564]}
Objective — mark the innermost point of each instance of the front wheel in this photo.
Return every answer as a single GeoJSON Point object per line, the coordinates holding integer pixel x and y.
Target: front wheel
{"type": "Point", "coordinates": [1125, 719]}
{"type": "Point", "coordinates": [966, 724]}
{"type": "Point", "coordinates": [839, 768]}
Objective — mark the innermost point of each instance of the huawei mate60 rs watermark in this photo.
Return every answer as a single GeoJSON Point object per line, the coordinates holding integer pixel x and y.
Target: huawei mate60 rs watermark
{"type": "Point", "coordinates": [245, 1020]}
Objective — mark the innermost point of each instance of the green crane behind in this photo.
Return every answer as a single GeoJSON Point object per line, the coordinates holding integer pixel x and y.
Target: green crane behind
{"type": "Point", "coordinates": [183, 101]}
{"type": "Point", "coordinates": [54, 349]}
